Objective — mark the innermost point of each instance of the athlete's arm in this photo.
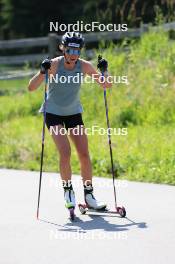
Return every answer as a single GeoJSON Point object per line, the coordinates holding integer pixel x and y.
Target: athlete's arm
{"type": "Point", "coordinates": [91, 71]}
{"type": "Point", "coordinates": [35, 81]}
{"type": "Point", "coordinates": [38, 78]}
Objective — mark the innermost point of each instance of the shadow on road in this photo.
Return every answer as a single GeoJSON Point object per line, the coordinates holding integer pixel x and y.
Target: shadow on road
{"type": "Point", "coordinates": [96, 222]}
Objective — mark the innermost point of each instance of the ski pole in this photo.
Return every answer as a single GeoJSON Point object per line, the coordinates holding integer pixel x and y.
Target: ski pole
{"type": "Point", "coordinates": [43, 139]}
{"type": "Point", "coordinates": [109, 137]}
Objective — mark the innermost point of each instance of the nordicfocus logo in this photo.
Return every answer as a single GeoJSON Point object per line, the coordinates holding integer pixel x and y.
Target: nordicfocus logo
{"type": "Point", "coordinates": [89, 131]}
{"type": "Point", "coordinates": [79, 78]}
{"type": "Point", "coordinates": [89, 27]}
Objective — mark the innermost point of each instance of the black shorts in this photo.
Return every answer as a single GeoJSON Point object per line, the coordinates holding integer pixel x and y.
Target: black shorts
{"type": "Point", "coordinates": [67, 121]}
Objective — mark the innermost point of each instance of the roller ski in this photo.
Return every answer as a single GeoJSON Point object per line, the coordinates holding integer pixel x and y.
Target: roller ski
{"type": "Point", "coordinates": [92, 205]}
{"type": "Point", "coordinates": [69, 198]}
{"type": "Point", "coordinates": [84, 208]}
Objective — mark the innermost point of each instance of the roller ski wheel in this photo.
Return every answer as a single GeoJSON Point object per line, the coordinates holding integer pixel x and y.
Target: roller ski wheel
{"type": "Point", "coordinates": [83, 209]}
{"type": "Point", "coordinates": [72, 213]}
{"type": "Point", "coordinates": [121, 211]}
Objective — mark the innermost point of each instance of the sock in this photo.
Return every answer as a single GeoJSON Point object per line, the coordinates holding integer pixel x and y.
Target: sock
{"type": "Point", "coordinates": [67, 185]}
{"type": "Point", "coordinates": [88, 189]}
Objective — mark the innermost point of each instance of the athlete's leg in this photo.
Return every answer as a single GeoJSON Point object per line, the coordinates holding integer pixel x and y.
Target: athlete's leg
{"type": "Point", "coordinates": [64, 149]}
{"type": "Point", "coordinates": [81, 145]}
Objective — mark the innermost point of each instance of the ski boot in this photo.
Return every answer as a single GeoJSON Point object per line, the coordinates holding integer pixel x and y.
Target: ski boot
{"type": "Point", "coordinates": [91, 204]}
{"type": "Point", "coordinates": [69, 198]}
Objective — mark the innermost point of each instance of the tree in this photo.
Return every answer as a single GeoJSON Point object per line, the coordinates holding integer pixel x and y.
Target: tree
{"type": "Point", "coordinates": [22, 18]}
{"type": "Point", "coordinates": [31, 18]}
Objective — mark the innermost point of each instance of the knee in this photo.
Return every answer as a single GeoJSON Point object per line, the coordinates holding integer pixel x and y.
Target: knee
{"type": "Point", "coordinates": [84, 155]}
{"type": "Point", "coordinates": [65, 154]}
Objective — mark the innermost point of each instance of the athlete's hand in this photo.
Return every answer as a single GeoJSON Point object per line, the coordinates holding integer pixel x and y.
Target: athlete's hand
{"type": "Point", "coordinates": [45, 65]}
{"type": "Point", "coordinates": [102, 64]}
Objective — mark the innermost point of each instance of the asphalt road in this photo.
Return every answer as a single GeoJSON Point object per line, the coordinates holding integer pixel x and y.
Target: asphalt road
{"type": "Point", "coordinates": [146, 236]}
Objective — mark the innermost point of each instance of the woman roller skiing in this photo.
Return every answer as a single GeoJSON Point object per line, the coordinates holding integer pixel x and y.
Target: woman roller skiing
{"type": "Point", "coordinates": [64, 110]}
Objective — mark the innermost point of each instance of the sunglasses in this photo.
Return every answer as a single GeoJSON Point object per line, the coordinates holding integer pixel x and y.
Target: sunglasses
{"type": "Point", "coordinates": [73, 52]}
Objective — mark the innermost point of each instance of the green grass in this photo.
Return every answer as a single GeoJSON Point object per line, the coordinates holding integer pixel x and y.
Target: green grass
{"type": "Point", "coordinates": [145, 107]}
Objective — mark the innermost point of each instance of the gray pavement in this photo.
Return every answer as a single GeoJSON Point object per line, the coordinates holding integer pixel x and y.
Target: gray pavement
{"type": "Point", "coordinates": [146, 236]}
